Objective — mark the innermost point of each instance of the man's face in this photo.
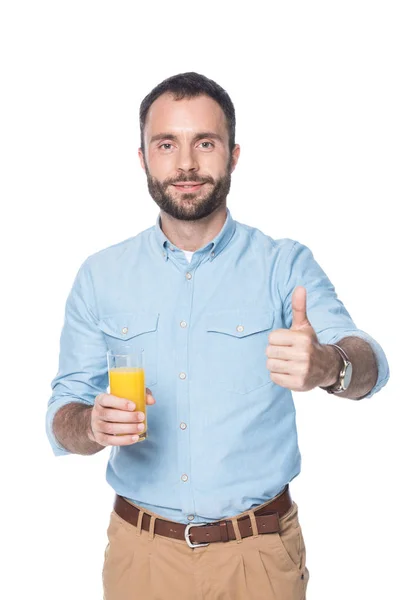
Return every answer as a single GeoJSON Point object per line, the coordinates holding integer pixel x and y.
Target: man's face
{"type": "Point", "coordinates": [186, 156]}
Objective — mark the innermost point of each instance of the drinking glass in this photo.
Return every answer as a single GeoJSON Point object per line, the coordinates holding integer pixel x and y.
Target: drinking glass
{"type": "Point", "coordinates": [127, 379]}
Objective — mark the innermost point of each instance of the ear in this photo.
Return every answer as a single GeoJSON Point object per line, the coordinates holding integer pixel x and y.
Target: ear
{"type": "Point", "coordinates": [141, 158]}
{"type": "Point", "coordinates": [235, 156]}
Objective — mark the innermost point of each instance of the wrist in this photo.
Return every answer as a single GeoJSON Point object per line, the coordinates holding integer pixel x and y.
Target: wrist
{"type": "Point", "coordinates": [89, 430]}
{"type": "Point", "coordinates": [334, 365]}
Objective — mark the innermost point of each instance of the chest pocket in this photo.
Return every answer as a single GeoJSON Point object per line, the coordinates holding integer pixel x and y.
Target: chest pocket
{"type": "Point", "coordinates": [134, 331]}
{"type": "Point", "coordinates": [237, 341]}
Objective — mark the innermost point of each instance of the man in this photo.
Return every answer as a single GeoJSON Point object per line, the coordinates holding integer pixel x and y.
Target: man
{"type": "Point", "coordinates": [231, 322]}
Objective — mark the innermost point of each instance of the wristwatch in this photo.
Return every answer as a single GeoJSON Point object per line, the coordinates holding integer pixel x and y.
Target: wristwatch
{"type": "Point", "coordinates": [344, 376]}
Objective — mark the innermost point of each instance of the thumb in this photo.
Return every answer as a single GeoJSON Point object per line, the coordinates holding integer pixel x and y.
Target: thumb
{"type": "Point", "coordinates": [299, 308]}
{"type": "Point", "coordinates": [149, 397]}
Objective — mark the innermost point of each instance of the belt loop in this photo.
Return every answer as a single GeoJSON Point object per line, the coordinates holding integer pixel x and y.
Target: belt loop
{"type": "Point", "coordinates": [254, 526]}
{"type": "Point", "coordinates": [236, 529]}
{"type": "Point", "coordinates": [151, 528]}
{"type": "Point", "coordinates": [139, 523]}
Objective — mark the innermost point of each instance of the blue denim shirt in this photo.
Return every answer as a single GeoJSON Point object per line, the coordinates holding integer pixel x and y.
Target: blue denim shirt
{"type": "Point", "coordinates": [222, 436]}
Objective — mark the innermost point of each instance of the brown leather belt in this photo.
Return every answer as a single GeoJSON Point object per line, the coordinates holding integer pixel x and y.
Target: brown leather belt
{"type": "Point", "coordinates": [197, 534]}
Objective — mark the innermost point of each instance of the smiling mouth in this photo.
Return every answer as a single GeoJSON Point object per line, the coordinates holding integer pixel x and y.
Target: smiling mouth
{"type": "Point", "coordinates": [187, 187]}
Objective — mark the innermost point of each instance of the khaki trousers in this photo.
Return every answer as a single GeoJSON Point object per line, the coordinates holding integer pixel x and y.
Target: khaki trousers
{"type": "Point", "coordinates": [139, 564]}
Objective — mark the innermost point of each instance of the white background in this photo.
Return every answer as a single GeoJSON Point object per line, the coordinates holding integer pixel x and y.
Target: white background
{"type": "Point", "coordinates": [316, 91]}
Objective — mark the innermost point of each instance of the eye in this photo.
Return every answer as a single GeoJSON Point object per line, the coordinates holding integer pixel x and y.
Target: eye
{"type": "Point", "coordinates": [164, 146]}
{"type": "Point", "coordinates": [206, 145]}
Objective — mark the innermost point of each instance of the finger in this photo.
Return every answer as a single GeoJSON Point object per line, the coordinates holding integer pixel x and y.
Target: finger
{"type": "Point", "coordinates": [115, 440]}
{"type": "Point", "coordinates": [114, 415]}
{"type": "Point", "coordinates": [280, 366]}
{"type": "Point", "coordinates": [283, 352]}
{"type": "Point", "coordinates": [283, 337]}
{"type": "Point", "coordinates": [299, 308]}
{"type": "Point", "coordinates": [283, 380]}
{"type": "Point", "coordinates": [110, 401]}
{"type": "Point", "coordinates": [149, 397]}
{"type": "Point", "coordinates": [291, 382]}
{"type": "Point", "coordinates": [103, 427]}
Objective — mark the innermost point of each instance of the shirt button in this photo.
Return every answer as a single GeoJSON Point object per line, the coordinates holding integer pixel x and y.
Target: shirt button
{"type": "Point", "coordinates": [190, 517]}
{"type": "Point", "coordinates": [240, 328]}
{"type": "Point", "coordinates": [188, 276]}
{"type": "Point", "coordinates": [184, 477]}
{"type": "Point", "coordinates": [183, 324]}
{"type": "Point", "coordinates": [212, 254]}
{"type": "Point", "coordinates": [183, 425]}
{"type": "Point", "coordinates": [124, 330]}
{"type": "Point", "coordinates": [182, 375]}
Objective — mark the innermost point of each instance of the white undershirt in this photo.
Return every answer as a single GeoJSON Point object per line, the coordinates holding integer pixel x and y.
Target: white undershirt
{"type": "Point", "coordinates": [188, 255]}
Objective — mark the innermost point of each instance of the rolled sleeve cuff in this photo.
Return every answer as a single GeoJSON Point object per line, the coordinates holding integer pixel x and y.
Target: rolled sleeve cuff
{"type": "Point", "coordinates": [383, 366]}
{"type": "Point", "coordinates": [58, 450]}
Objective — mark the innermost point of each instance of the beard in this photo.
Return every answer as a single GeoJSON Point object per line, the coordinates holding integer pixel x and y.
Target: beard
{"type": "Point", "coordinates": [191, 206]}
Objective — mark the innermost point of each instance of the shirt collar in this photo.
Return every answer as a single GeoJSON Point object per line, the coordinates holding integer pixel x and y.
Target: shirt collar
{"type": "Point", "coordinates": [212, 248]}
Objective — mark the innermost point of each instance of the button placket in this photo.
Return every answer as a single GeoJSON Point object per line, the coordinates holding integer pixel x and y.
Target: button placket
{"type": "Point", "coordinates": [183, 311]}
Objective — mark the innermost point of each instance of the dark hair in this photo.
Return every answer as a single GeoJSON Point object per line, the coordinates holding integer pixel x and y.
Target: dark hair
{"type": "Point", "coordinates": [189, 85]}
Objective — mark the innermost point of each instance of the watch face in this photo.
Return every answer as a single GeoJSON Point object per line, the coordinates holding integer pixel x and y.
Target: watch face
{"type": "Point", "coordinates": [347, 376]}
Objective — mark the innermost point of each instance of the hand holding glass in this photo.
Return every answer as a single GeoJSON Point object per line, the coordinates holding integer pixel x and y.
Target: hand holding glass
{"type": "Point", "coordinates": [127, 380]}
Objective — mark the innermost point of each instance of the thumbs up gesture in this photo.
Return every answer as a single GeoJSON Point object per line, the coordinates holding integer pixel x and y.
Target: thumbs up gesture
{"type": "Point", "coordinates": [296, 359]}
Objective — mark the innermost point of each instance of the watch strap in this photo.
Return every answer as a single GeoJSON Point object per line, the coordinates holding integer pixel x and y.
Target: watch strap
{"type": "Point", "coordinates": [337, 387]}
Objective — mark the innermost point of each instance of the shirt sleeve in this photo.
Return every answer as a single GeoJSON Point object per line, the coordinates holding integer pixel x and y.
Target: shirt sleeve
{"type": "Point", "coordinates": [82, 372]}
{"type": "Point", "coordinates": [326, 313]}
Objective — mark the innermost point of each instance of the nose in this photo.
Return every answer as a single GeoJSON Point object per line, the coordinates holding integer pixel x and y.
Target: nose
{"type": "Point", "coordinates": [186, 160]}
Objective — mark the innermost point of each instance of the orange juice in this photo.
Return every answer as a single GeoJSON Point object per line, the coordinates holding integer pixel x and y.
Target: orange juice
{"type": "Point", "coordinates": [129, 382]}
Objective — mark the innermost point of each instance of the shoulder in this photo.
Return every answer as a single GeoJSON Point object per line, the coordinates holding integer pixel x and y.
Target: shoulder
{"type": "Point", "coordinates": [264, 243]}
{"type": "Point", "coordinates": [117, 253]}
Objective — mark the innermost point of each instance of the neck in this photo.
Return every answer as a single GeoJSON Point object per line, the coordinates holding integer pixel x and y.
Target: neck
{"type": "Point", "coordinates": [192, 235]}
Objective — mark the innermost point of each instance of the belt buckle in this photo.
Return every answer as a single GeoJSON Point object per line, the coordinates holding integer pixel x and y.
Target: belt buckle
{"type": "Point", "coordinates": [187, 535]}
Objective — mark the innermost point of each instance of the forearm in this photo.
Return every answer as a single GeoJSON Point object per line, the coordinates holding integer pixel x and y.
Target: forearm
{"type": "Point", "coordinates": [365, 368]}
{"type": "Point", "coordinates": [71, 426]}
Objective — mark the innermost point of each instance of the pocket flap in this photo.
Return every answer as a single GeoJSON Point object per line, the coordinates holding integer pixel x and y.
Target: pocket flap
{"type": "Point", "coordinates": [125, 326]}
{"type": "Point", "coordinates": [240, 323]}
